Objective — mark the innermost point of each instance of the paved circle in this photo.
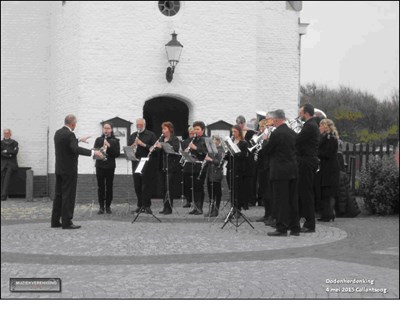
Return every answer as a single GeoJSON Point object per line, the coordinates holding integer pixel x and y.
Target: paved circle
{"type": "Point", "coordinates": [115, 238]}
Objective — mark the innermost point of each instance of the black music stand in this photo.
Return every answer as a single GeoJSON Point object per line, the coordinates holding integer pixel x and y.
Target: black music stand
{"type": "Point", "coordinates": [234, 213]}
{"type": "Point", "coordinates": [213, 151]}
{"type": "Point", "coordinates": [190, 159]}
{"type": "Point", "coordinates": [130, 156]}
{"type": "Point", "coordinates": [169, 151]}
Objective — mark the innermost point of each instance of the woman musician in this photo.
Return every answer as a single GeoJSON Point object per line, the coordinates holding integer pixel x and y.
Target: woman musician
{"type": "Point", "coordinates": [105, 169]}
{"type": "Point", "coordinates": [237, 174]}
{"type": "Point", "coordinates": [169, 165]}
{"type": "Point", "coordinates": [214, 178]}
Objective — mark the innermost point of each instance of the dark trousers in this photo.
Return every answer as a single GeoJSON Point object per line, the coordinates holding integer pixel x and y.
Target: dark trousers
{"type": "Point", "coordinates": [142, 190]}
{"type": "Point", "coordinates": [64, 201]}
{"type": "Point", "coordinates": [105, 178]}
{"type": "Point", "coordinates": [198, 186]}
{"type": "Point", "coordinates": [187, 186]}
{"type": "Point", "coordinates": [168, 200]}
{"type": "Point", "coordinates": [239, 189]}
{"type": "Point", "coordinates": [265, 191]}
{"type": "Point", "coordinates": [285, 205]}
{"type": "Point", "coordinates": [214, 192]}
{"type": "Point", "coordinates": [306, 192]}
{"type": "Point", "coordinates": [6, 175]}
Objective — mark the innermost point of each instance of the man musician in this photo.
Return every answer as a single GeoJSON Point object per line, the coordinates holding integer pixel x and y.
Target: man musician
{"type": "Point", "coordinates": [141, 141]}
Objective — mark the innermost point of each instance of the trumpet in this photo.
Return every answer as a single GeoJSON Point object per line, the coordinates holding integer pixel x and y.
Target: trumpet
{"type": "Point", "coordinates": [296, 124]}
{"type": "Point", "coordinates": [258, 140]}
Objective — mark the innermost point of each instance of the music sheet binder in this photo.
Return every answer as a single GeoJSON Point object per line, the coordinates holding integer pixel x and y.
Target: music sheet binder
{"type": "Point", "coordinates": [189, 158]}
{"type": "Point", "coordinates": [130, 155]}
{"type": "Point", "coordinates": [168, 149]}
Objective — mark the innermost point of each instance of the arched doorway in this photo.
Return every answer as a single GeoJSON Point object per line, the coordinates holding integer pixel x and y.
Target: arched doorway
{"type": "Point", "coordinates": [161, 109]}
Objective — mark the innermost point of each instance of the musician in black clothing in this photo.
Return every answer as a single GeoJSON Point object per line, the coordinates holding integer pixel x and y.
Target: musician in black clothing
{"type": "Point", "coordinates": [264, 184]}
{"type": "Point", "coordinates": [214, 178]}
{"type": "Point", "coordinates": [307, 143]}
{"type": "Point", "coordinates": [105, 168]}
{"type": "Point", "coordinates": [142, 140]}
{"type": "Point", "coordinates": [198, 150]}
{"type": "Point", "coordinates": [169, 165]}
{"type": "Point", "coordinates": [187, 171]}
{"type": "Point", "coordinates": [283, 176]}
{"type": "Point", "coordinates": [250, 174]}
{"type": "Point", "coordinates": [237, 168]}
{"type": "Point", "coordinates": [9, 164]}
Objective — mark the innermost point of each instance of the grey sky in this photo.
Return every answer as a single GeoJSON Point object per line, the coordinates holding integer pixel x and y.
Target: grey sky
{"type": "Point", "coordinates": [352, 43]}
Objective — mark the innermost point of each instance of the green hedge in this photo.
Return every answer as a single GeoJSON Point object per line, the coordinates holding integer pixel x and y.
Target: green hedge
{"type": "Point", "coordinates": [379, 185]}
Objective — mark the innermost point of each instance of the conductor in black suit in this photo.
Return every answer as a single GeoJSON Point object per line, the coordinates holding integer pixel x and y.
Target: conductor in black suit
{"type": "Point", "coordinates": [307, 143]}
{"type": "Point", "coordinates": [281, 151]}
{"type": "Point", "coordinates": [9, 164]}
{"type": "Point", "coordinates": [67, 152]}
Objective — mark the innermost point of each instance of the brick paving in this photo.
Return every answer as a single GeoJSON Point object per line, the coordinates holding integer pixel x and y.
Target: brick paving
{"type": "Point", "coordinates": [190, 257]}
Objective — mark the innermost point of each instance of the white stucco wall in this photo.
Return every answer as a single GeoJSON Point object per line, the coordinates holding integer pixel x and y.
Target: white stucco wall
{"type": "Point", "coordinates": [108, 59]}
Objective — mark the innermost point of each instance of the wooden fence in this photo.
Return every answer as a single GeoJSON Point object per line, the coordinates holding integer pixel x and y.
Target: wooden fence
{"type": "Point", "coordinates": [356, 157]}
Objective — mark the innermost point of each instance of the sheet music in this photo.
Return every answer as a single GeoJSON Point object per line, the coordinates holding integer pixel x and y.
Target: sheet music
{"type": "Point", "coordinates": [141, 164]}
{"type": "Point", "coordinates": [233, 148]}
{"type": "Point", "coordinates": [130, 155]}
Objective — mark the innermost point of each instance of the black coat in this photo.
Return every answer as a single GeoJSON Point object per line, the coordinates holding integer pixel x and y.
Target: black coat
{"type": "Point", "coordinates": [147, 137]}
{"type": "Point", "coordinates": [198, 154]}
{"type": "Point", "coordinates": [215, 168]}
{"type": "Point", "coordinates": [113, 151]}
{"type": "Point", "coordinates": [329, 165]}
{"type": "Point", "coordinates": [307, 142]}
{"type": "Point", "coordinates": [282, 154]}
{"type": "Point", "coordinates": [173, 160]}
{"type": "Point", "coordinates": [9, 151]}
{"type": "Point", "coordinates": [241, 160]}
{"type": "Point", "coordinates": [67, 152]}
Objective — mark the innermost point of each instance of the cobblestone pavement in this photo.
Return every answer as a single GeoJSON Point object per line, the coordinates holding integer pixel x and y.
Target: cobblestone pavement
{"type": "Point", "coordinates": [190, 257]}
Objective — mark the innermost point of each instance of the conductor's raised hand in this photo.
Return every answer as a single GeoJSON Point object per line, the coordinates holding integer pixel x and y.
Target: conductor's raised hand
{"type": "Point", "coordinates": [84, 139]}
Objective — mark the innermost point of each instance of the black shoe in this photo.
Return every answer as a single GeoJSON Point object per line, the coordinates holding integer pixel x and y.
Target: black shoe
{"type": "Point", "coordinates": [148, 210]}
{"type": "Point", "coordinates": [198, 212]}
{"type": "Point", "coordinates": [163, 211]}
{"type": "Point", "coordinates": [3, 198]}
{"type": "Point", "coordinates": [137, 210]}
{"type": "Point", "coordinates": [306, 230]}
{"type": "Point", "coordinates": [261, 219]}
{"type": "Point", "coordinates": [277, 233]}
{"type": "Point", "coordinates": [101, 211]}
{"type": "Point", "coordinates": [214, 212]}
{"type": "Point", "coordinates": [56, 225]}
{"type": "Point", "coordinates": [326, 219]}
{"type": "Point", "coordinates": [187, 205]}
{"type": "Point", "coordinates": [108, 210]}
{"type": "Point", "coordinates": [168, 211]}
{"type": "Point", "coordinates": [71, 226]}
{"type": "Point", "coordinates": [294, 233]}
{"type": "Point", "coordinates": [192, 212]}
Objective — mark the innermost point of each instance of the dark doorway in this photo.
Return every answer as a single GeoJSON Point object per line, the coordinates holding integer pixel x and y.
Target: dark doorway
{"type": "Point", "coordinates": [155, 112]}
{"type": "Point", "coordinates": [161, 109]}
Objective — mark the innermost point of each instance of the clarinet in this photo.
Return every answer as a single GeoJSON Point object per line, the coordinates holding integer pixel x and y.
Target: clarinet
{"type": "Point", "coordinates": [203, 165]}
{"type": "Point", "coordinates": [154, 145]}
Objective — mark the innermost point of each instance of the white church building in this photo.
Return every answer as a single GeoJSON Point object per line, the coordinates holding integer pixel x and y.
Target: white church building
{"type": "Point", "coordinates": [102, 60]}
